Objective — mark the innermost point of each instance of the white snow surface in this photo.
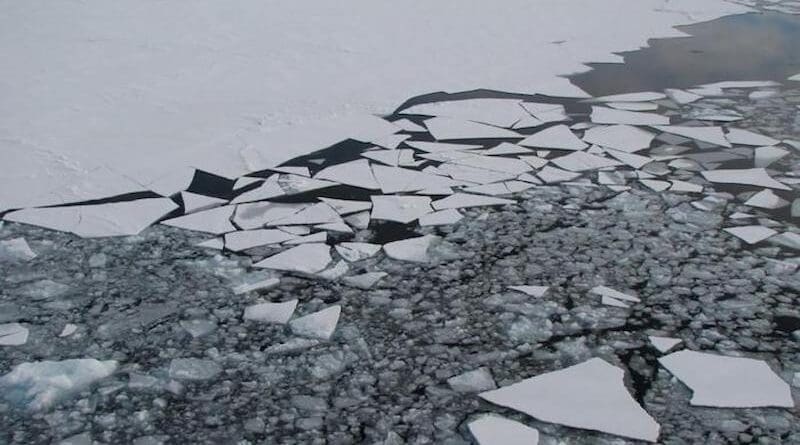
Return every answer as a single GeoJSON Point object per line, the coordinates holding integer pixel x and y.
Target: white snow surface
{"type": "Point", "coordinates": [141, 89]}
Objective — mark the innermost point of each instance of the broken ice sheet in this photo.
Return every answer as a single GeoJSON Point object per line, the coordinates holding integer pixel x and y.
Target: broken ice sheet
{"type": "Point", "coordinates": [99, 220]}
{"type": "Point", "coordinates": [499, 112]}
{"type": "Point", "coordinates": [258, 214]}
{"type": "Point", "coordinates": [357, 251]}
{"type": "Point", "coordinates": [411, 249]}
{"type": "Point", "coordinates": [552, 175]}
{"type": "Point", "coordinates": [645, 96]}
{"type": "Point", "coordinates": [364, 281]}
{"type": "Point", "coordinates": [590, 395]}
{"type": "Point", "coordinates": [604, 115]}
{"type": "Point", "coordinates": [749, 176]}
{"type": "Point", "coordinates": [440, 147]}
{"type": "Point", "coordinates": [445, 128]}
{"type": "Point", "coordinates": [664, 344]}
{"type": "Point", "coordinates": [439, 218]}
{"type": "Point", "coordinates": [581, 161]}
{"type": "Point", "coordinates": [490, 429]}
{"type": "Point", "coordinates": [40, 385]}
{"type": "Point", "coordinates": [619, 137]}
{"type": "Point", "coordinates": [247, 239]}
{"type": "Point", "coordinates": [728, 382]}
{"type": "Point", "coordinates": [473, 174]}
{"type": "Point", "coordinates": [464, 200]}
{"type": "Point", "coordinates": [558, 136]}
{"type": "Point", "coordinates": [633, 106]}
{"type": "Point", "coordinates": [766, 199]}
{"type": "Point", "coordinates": [398, 180]}
{"type": "Point", "coordinates": [765, 156]}
{"type": "Point", "coordinates": [267, 189]}
{"type": "Point", "coordinates": [279, 313]}
{"type": "Point", "coordinates": [13, 334]}
{"type": "Point", "coordinates": [506, 148]}
{"type": "Point", "coordinates": [319, 213]}
{"type": "Point", "coordinates": [305, 258]}
{"type": "Point", "coordinates": [215, 221]}
{"type": "Point", "coordinates": [15, 249]}
{"type": "Point", "coordinates": [192, 202]}
{"type": "Point", "coordinates": [346, 207]}
{"type": "Point", "coordinates": [751, 234]}
{"type": "Point", "coordinates": [319, 324]}
{"type": "Point", "coordinates": [745, 137]}
{"type": "Point", "coordinates": [682, 97]}
{"type": "Point", "coordinates": [712, 135]}
{"type": "Point", "coordinates": [355, 173]}
{"type": "Point", "coordinates": [546, 113]}
{"type": "Point", "coordinates": [403, 209]}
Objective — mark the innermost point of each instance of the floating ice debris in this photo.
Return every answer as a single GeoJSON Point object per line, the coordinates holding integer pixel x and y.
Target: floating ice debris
{"type": "Point", "coordinates": [765, 156]}
{"type": "Point", "coordinates": [682, 97]}
{"type": "Point", "coordinates": [440, 218]}
{"type": "Point", "coordinates": [745, 137]}
{"type": "Point", "coordinates": [364, 281]}
{"type": "Point", "coordinates": [99, 220]}
{"type": "Point", "coordinates": [500, 164]}
{"type": "Point", "coordinates": [751, 234]}
{"type": "Point", "coordinates": [346, 207]}
{"type": "Point", "coordinates": [43, 289]}
{"type": "Point", "coordinates": [13, 334]}
{"type": "Point", "coordinates": [300, 171]}
{"type": "Point", "coordinates": [473, 174]}
{"type": "Point", "coordinates": [506, 148]}
{"type": "Point", "coordinates": [271, 312]}
{"type": "Point", "coordinates": [445, 128]}
{"type": "Point", "coordinates": [581, 161]}
{"type": "Point", "coordinates": [258, 214]}
{"type": "Point", "coordinates": [305, 258]}
{"type": "Point", "coordinates": [787, 239]}
{"type": "Point", "coordinates": [500, 112]}
{"type": "Point", "coordinates": [410, 126]}
{"type": "Point", "coordinates": [68, 330]}
{"type": "Point", "coordinates": [534, 161]}
{"type": "Point", "coordinates": [551, 175]}
{"type": "Point", "coordinates": [357, 251]}
{"type": "Point", "coordinates": [533, 291]}
{"type": "Point", "coordinates": [213, 243]}
{"type": "Point", "coordinates": [546, 113]}
{"type": "Point", "coordinates": [40, 385]}
{"type": "Point", "coordinates": [631, 159]}
{"type": "Point", "coordinates": [464, 200]}
{"type": "Point", "coordinates": [359, 220]}
{"type": "Point", "coordinates": [411, 249]}
{"type": "Point", "coordinates": [402, 209]}
{"type": "Point", "coordinates": [319, 237]}
{"type": "Point", "coordinates": [334, 272]}
{"type": "Point", "coordinates": [741, 215]}
{"type": "Point", "coordinates": [685, 186]}
{"type": "Point", "coordinates": [319, 213]}
{"type": "Point", "coordinates": [712, 135]}
{"type": "Point", "coordinates": [766, 199]}
{"type": "Point", "coordinates": [645, 96]}
{"type": "Point", "coordinates": [440, 147]}
{"type": "Point", "coordinates": [319, 325]}
{"type": "Point", "coordinates": [247, 239]}
{"type": "Point", "coordinates": [748, 176]}
{"type": "Point", "coordinates": [473, 381]}
{"type": "Point", "coordinates": [664, 344]}
{"type": "Point", "coordinates": [795, 78]}
{"type": "Point", "coordinates": [215, 221]}
{"type": "Point", "coordinates": [728, 382]}
{"type": "Point", "coordinates": [267, 283]}
{"type": "Point", "coordinates": [193, 369]}
{"type": "Point", "coordinates": [604, 115]}
{"type": "Point", "coordinates": [611, 293]}
{"type": "Point", "coordinates": [590, 395]}
{"type": "Point", "coordinates": [15, 249]}
{"type": "Point", "coordinates": [495, 430]}
{"type": "Point", "coordinates": [619, 137]}
{"type": "Point", "coordinates": [609, 301]}
{"type": "Point", "coordinates": [633, 106]}
{"type": "Point", "coordinates": [398, 180]}
{"type": "Point", "coordinates": [198, 328]}
{"type": "Point", "coordinates": [356, 173]}
{"type": "Point", "coordinates": [268, 189]}
{"type": "Point", "coordinates": [192, 202]}
{"type": "Point", "coordinates": [558, 136]}
{"type": "Point", "coordinates": [340, 227]}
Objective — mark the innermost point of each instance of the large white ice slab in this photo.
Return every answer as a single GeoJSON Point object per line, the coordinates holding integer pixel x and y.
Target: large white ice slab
{"type": "Point", "coordinates": [552, 175]}
{"type": "Point", "coordinates": [746, 176]}
{"type": "Point", "coordinates": [215, 221]}
{"type": "Point", "coordinates": [605, 115]}
{"type": "Point", "coordinates": [99, 220]}
{"type": "Point", "coordinates": [402, 209]}
{"type": "Point", "coordinates": [397, 179]}
{"type": "Point", "coordinates": [279, 313]}
{"type": "Point", "coordinates": [590, 395]}
{"type": "Point", "coordinates": [412, 249]}
{"type": "Point", "coordinates": [464, 200]}
{"type": "Point", "coordinates": [712, 135]}
{"type": "Point", "coordinates": [746, 137]}
{"type": "Point", "coordinates": [258, 214]}
{"type": "Point", "coordinates": [320, 324]}
{"type": "Point", "coordinates": [305, 258]}
{"type": "Point", "coordinates": [751, 234]}
{"type": "Point", "coordinates": [192, 202]}
{"type": "Point", "coordinates": [545, 113]}
{"type": "Point", "coordinates": [765, 156]}
{"type": "Point", "coordinates": [499, 112]}
{"type": "Point", "coordinates": [247, 239]}
{"type": "Point", "coordinates": [445, 128]}
{"type": "Point", "coordinates": [728, 382]}
{"type": "Point", "coordinates": [557, 136]}
{"type": "Point", "coordinates": [619, 137]}
{"type": "Point", "coordinates": [495, 430]}
{"type": "Point", "coordinates": [319, 213]}
{"type": "Point", "coordinates": [581, 161]}
{"type": "Point", "coordinates": [356, 173]}
{"type": "Point", "coordinates": [346, 207]}
{"type": "Point", "coordinates": [267, 189]}
{"type": "Point", "coordinates": [13, 334]}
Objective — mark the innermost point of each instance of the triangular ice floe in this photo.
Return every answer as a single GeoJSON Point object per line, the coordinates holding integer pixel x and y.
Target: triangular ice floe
{"type": "Point", "coordinates": [558, 136]}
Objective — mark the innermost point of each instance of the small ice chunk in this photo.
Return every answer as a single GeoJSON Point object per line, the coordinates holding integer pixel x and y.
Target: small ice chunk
{"type": "Point", "coordinates": [590, 395]}
{"type": "Point", "coordinates": [712, 135]}
{"type": "Point", "coordinates": [412, 249]}
{"type": "Point", "coordinates": [198, 328]}
{"type": "Point", "coordinates": [619, 137]}
{"type": "Point", "coordinates": [446, 128]}
{"type": "Point", "coordinates": [403, 209]}
{"type": "Point", "coordinates": [357, 251]}
{"type": "Point", "coordinates": [215, 221]}
{"type": "Point", "coordinates": [685, 186]}
{"type": "Point", "coordinates": [495, 430]}
{"type": "Point", "coordinates": [359, 220]}
{"type": "Point", "coordinates": [440, 218]}
{"type": "Point", "coordinates": [40, 385]}
{"type": "Point", "coordinates": [745, 137]}
{"type": "Point", "coordinates": [748, 176]}
{"type": "Point", "coordinates": [267, 283]}
{"type": "Point", "coordinates": [319, 325]}
{"type": "Point", "coordinates": [766, 199]}
{"type": "Point", "coordinates": [664, 344]}
{"type": "Point", "coordinates": [552, 175]}
{"type": "Point", "coordinates": [192, 202]}
{"type": "Point", "coordinates": [15, 249]}
{"type": "Point", "coordinates": [305, 258]}
{"type": "Point", "coordinates": [476, 380]}
{"type": "Point", "coordinates": [506, 148]}
{"type": "Point", "coordinates": [533, 291]}
{"type": "Point", "coordinates": [247, 239]}
{"type": "Point", "coordinates": [645, 96]}
{"type": "Point", "coordinates": [609, 301]}
{"type": "Point", "coordinates": [193, 369]}
{"type": "Point", "coordinates": [765, 156]}
{"type": "Point", "coordinates": [751, 234]}
{"type": "Point", "coordinates": [355, 173]}
{"type": "Point", "coordinates": [279, 313]}
{"type": "Point", "coordinates": [464, 200]}
{"type": "Point", "coordinates": [13, 334]}
{"type": "Point", "coordinates": [581, 161]}
{"type": "Point", "coordinates": [558, 136]}
{"type": "Point", "coordinates": [604, 115]}
{"type": "Point", "coordinates": [346, 207]}
{"type": "Point", "coordinates": [608, 292]}
{"type": "Point", "coordinates": [728, 382]}
{"type": "Point", "coordinates": [365, 280]}
{"type": "Point", "coordinates": [68, 330]}
{"type": "Point", "coordinates": [682, 97]}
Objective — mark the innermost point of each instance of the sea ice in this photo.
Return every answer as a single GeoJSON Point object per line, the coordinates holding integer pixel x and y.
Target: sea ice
{"type": "Point", "coordinates": [745, 137]}
{"type": "Point", "coordinates": [558, 136]}
{"type": "Point", "coordinates": [411, 249]}
{"type": "Point", "coordinates": [682, 97]}
{"type": "Point", "coordinates": [445, 128]}
{"type": "Point", "coordinates": [552, 175]}
{"type": "Point", "coordinates": [464, 200]}
{"type": "Point", "coordinates": [13, 334]}
{"type": "Point", "coordinates": [247, 239]}
{"type": "Point", "coordinates": [473, 381]}
{"type": "Point", "coordinates": [364, 281]}
{"type": "Point", "coordinates": [271, 312]}
{"type": "Point", "coordinates": [306, 258]}
{"type": "Point", "coordinates": [192, 202]}
{"type": "Point", "coordinates": [15, 249]}
{"type": "Point", "coordinates": [533, 291]}
{"type": "Point", "coordinates": [440, 218]}
{"type": "Point", "coordinates": [266, 190]}
{"type": "Point", "coordinates": [766, 199]}
{"type": "Point", "coordinates": [644, 96]}
{"type": "Point", "coordinates": [751, 234]}
{"type": "Point", "coordinates": [748, 176]}
{"type": "Point", "coordinates": [608, 292]}
{"type": "Point", "coordinates": [319, 213]}
{"type": "Point", "coordinates": [402, 209]}
{"type": "Point", "coordinates": [506, 148]}
{"type": "Point", "coordinates": [319, 324]}
{"type": "Point", "coordinates": [604, 115]}
{"type": "Point", "coordinates": [267, 283]}
{"type": "Point", "coordinates": [664, 344]}
{"type": "Point", "coordinates": [765, 156]}
{"type": "Point", "coordinates": [215, 221]}
{"type": "Point", "coordinates": [256, 215]}
{"type": "Point", "coordinates": [581, 161]}
{"type": "Point", "coordinates": [357, 251]}
{"type": "Point", "coordinates": [619, 137]}
{"type": "Point", "coordinates": [398, 180]}
{"type": "Point", "coordinates": [495, 430]}
{"type": "Point", "coordinates": [355, 173]}
{"type": "Point", "coordinates": [346, 207]}
{"type": "Point", "coordinates": [193, 369]}
{"type": "Point", "coordinates": [712, 135]}
{"type": "Point", "coordinates": [499, 112]}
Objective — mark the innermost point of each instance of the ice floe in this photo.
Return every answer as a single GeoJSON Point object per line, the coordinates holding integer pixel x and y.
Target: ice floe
{"type": "Point", "coordinates": [490, 429]}
{"type": "Point", "coordinates": [766, 156]}
{"type": "Point", "coordinates": [605, 115]}
{"type": "Point", "coordinates": [464, 200]}
{"type": "Point", "coordinates": [557, 136]}
{"type": "Point", "coordinates": [476, 380]}
{"type": "Point", "coordinates": [747, 176]}
{"type": "Point", "coordinates": [215, 221]}
{"type": "Point", "coordinates": [398, 179]}
{"type": "Point", "coordinates": [746, 137]}
{"type": "Point", "coordinates": [445, 128]}
{"type": "Point", "coordinates": [552, 175]}
{"type": "Point", "coordinates": [728, 382]}
{"type": "Point", "coordinates": [411, 249]}
{"type": "Point", "coordinates": [346, 207]}
{"type": "Point", "coordinates": [13, 334]}
{"type": "Point", "coordinates": [257, 285]}
{"type": "Point", "coordinates": [712, 135]}
{"type": "Point", "coordinates": [645, 96]}
{"type": "Point", "coordinates": [766, 199]}
{"type": "Point", "coordinates": [751, 234]}
{"type": "Point", "coordinates": [305, 258]}
{"type": "Point", "coordinates": [682, 97]}
{"type": "Point", "coordinates": [581, 161]}
{"type": "Point", "coordinates": [193, 369]}
{"type": "Point", "coordinates": [320, 325]}
{"type": "Point", "coordinates": [402, 209]}
{"type": "Point", "coordinates": [247, 239]}
{"type": "Point", "coordinates": [365, 280]}
{"type": "Point", "coordinates": [357, 251]}
{"type": "Point", "coordinates": [533, 291]}
{"type": "Point", "coordinates": [619, 137]}
{"type": "Point", "coordinates": [279, 313]}
{"type": "Point", "coordinates": [356, 173]}
{"type": "Point", "coordinates": [15, 249]}
{"type": "Point", "coordinates": [192, 202]}
{"type": "Point", "coordinates": [664, 344]}
{"type": "Point", "coordinates": [439, 218]}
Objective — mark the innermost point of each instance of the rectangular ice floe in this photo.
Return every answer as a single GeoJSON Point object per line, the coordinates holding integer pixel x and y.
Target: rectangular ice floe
{"type": "Point", "coordinates": [751, 234]}
{"type": "Point", "coordinates": [712, 135]}
{"type": "Point", "coordinates": [464, 200]}
{"type": "Point", "coordinates": [581, 161]}
{"type": "Point", "coordinates": [748, 176]}
{"type": "Point", "coordinates": [403, 209]}
{"type": "Point", "coordinates": [445, 128]}
{"type": "Point", "coordinates": [625, 138]}
{"type": "Point", "coordinates": [558, 136]}
{"type": "Point", "coordinates": [305, 258]}
{"type": "Point", "coordinates": [247, 239]}
{"type": "Point", "coordinates": [605, 115]}
{"type": "Point", "coordinates": [99, 220]}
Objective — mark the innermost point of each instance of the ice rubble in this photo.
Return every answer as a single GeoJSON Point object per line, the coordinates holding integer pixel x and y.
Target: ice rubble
{"type": "Point", "coordinates": [15, 249]}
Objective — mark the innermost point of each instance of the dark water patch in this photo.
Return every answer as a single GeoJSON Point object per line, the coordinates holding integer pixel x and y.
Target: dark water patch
{"type": "Point", "coordinates": [111, 199]}
{"type": "Point", "coordinates": [209, 184]}
{"type": "Point", "coordinates": [751, 46]}
{"type": "Point", "coordinates": [388, 231]}
{"type": "Point", "coordinates": [786, 323]}
{"type": "Point", "coordinates": [336, 192]}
